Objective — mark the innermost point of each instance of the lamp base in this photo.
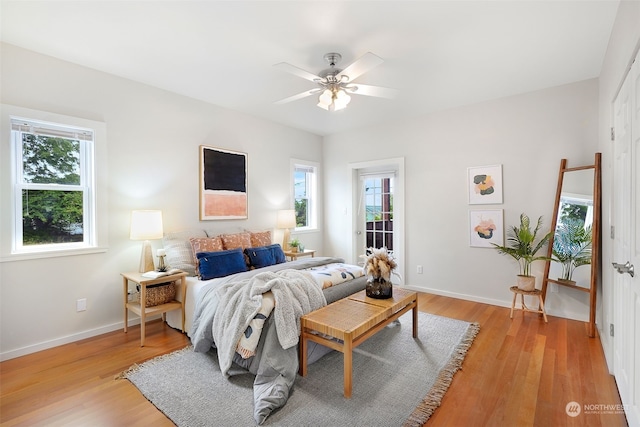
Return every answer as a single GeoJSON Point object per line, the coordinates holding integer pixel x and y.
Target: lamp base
{"type": "Point", "coordinates": [286, 239]}
{"type": "Point", "coordinates": [146, 258]}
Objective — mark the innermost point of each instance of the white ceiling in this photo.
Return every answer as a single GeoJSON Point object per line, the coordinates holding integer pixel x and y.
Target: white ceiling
{"type": "Point", "coordinates": [438, 54]}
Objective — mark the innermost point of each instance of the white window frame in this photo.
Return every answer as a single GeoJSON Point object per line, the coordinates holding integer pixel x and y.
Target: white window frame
{"type": "Point", "coordinates": [21, 126]}
{"type": "Point", "coordinates": [378, 176]}
{"type": "Point", "coordinates": [312, 191]}
{"type": "Point", "coordinates": [98, 212]}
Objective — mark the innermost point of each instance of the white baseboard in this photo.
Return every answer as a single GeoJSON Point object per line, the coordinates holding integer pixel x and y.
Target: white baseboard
{"type": "Point", "coordinates": [12, 354]}
{"type": "Point", "coordinates": [474, 298]}
{"type": "Point", "coordinates": [500, 303]}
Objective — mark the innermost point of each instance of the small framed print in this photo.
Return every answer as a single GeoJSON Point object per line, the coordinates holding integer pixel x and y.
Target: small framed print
{"type": "Point", "coordinates": [486, 227]}
{"type": "Point", "coordinates": [485, 185]}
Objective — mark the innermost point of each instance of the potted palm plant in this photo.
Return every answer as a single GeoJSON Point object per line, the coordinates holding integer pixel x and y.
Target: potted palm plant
{"type": "Point", "coordinates": [523, 247]}
{"type": "Point", "coordinates": [571, 246]}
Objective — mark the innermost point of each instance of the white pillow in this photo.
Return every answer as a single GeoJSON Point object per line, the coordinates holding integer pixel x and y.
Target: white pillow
{"type": "Point", "coordinates": [179, 252]}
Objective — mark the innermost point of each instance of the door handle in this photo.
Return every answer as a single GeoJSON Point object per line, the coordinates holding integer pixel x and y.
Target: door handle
{"type": "Point", "coordinates": [624, 268]}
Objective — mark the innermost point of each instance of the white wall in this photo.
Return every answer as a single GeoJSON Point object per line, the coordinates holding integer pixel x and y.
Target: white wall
{"type": "Point", "coordinates": [528, 134]}
{"type": "Point", "coordinates": [153, 138]}
{"type": "Point", "coordinates": [623, 43]}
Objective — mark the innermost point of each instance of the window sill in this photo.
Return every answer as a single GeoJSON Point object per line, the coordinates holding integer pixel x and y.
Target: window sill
{"type": "Point", "coordinates": [305, 230]}
{"type": "Point", "coordinates": [24, 256]}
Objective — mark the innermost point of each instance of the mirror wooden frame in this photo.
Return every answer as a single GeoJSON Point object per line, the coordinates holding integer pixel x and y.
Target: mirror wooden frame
{"type": "Point", "coordinates": [595, 238]}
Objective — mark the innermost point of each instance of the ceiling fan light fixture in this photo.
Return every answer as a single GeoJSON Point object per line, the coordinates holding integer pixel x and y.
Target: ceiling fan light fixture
{"type": "Point", "coordinates": [336, 84]}
{"type": "Point", "coordinates": [341, 100]}
{"type": "Point", "coordinates": [326, 97]}
{"type": "Point", "coordinates": [333, 99]}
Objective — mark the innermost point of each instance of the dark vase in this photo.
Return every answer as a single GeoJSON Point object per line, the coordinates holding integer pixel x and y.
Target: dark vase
{"type": "Point", "coordinates": [379, 288]}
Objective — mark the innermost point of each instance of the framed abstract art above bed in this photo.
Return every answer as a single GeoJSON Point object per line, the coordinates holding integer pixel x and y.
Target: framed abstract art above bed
{"type": "Point", "coordinates": [223, 184]}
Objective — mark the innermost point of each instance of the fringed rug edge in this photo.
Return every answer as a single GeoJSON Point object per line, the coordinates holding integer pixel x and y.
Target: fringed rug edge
{"type": "Point", "coordinates": [432, 400]}
{"type": "Point", "coordinates": [137, 366]}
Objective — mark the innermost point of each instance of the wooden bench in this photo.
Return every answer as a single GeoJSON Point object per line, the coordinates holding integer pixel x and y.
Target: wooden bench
{"type": "Point", "coordinates": [353, 320]}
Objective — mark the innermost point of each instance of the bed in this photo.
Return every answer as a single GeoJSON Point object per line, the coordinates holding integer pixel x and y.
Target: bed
{"type": "Point", "coordinates": [195, 287]}
{"type": "Point", "coordinates": [298, 286]}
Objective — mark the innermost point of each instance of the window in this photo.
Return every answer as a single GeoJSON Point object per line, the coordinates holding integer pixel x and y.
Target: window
{"type": "Point", "coordinates": [54, 197]}
{"type": "Point", "coordinates": [304, 195]}
{"type": "Point", "coordinates": [378, 202]}
{"type": "Point", "coordinates": [576, 207]}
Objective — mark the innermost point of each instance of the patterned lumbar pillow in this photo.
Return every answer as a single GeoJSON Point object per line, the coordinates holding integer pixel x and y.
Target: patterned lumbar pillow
{"type": "Point", "coordinates": [236, 240]}
{"type": "Point", "coordinates": [259, 239]}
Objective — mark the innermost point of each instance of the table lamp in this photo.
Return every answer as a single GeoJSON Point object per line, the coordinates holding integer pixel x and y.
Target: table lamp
{"type": "Point", "coordinates": [286, 219]}
{"type": "Point", "coordinates": [146, 225]}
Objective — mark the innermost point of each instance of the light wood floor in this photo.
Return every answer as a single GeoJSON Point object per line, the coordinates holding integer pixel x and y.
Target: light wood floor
{"type": "Point", "coordinates": [519, 372]}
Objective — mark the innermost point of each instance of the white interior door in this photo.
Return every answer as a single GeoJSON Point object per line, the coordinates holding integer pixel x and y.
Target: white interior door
{"type": "Point", "coordinates": [626, 245]}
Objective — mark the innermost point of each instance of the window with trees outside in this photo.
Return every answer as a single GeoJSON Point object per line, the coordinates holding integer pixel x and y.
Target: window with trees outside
{"type": "Point", "coordinates": [378, 200]}
{"type": "Point", "coordinates": [54, 200]}
{"type": "Point", "coordinates": [304, 194]}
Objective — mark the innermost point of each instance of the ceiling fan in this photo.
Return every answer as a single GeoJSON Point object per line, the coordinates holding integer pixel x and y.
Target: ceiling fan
{"type": "Point", "coordinates": [335, 84]}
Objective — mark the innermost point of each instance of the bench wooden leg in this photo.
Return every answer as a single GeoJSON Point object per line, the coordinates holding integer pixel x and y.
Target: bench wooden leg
{"type": "Point", "coordinates": [415, 320]}
{"type": "Point", "coordinates": [303, 354]}
{"type": "Point", "coordinates": [348, 365]}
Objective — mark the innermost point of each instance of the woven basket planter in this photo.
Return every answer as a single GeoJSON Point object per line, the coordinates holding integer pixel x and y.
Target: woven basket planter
{"type": "Point", "coordinates": [161, 293]}
{"type": "Point", "coordinates": [526, 283]}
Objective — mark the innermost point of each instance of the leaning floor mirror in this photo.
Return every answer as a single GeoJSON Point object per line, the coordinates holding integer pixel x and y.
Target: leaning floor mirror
{"type": "Point", "coordinates": [574, 248]}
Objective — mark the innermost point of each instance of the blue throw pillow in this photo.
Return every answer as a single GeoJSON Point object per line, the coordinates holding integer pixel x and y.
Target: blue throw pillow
{"type": "Point", "coordinates": [260, 257]}
{"type": "Point", "coordinates": [221, 263]}
{"type": "Point", "coordinates": [278, 254]}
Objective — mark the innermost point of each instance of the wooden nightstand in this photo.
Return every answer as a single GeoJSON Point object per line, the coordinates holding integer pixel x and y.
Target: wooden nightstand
{"type": "Point", "coordinates": [295, 255]}
{"type": "Point", "coordinates": [142, 311]}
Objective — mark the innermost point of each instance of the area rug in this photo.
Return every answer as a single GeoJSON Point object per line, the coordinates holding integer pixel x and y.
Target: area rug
{"type": "Point", "coordinates": [397, 380]}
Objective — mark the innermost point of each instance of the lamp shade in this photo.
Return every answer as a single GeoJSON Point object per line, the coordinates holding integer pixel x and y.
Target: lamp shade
{"type": "Point", "coordinates": [286, 219]}
{"type": "Point", "coordinates": [146, 225]}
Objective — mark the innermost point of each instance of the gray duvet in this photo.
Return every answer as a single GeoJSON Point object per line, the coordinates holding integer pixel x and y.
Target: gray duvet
{"type": "Point", "coordinates": [274, 366]}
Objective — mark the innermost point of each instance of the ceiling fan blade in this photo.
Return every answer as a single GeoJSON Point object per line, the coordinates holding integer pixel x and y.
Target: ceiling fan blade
{"type": "Point", "coordinates": [297, 71]}
{"type": "Point", "coordinates": [368, 90]}
{"type": "Point", "coordinates": [363, 64]}
{"type": "Point", "coordinates": [299, 96]}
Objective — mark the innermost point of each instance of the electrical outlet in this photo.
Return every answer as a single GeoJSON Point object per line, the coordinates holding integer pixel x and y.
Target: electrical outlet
{"type": "Point", "coordinates": [419, 269]}
{"type": "Point", "coordinates": [553, 287]}
{"type": "Point", "coordinates": [81, 304]}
